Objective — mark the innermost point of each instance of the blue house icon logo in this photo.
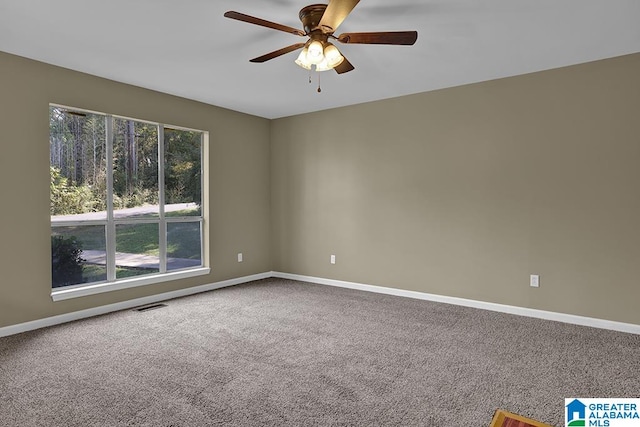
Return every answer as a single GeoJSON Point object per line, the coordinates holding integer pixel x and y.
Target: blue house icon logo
{"type": "Point", "coordinates": [576, 413]}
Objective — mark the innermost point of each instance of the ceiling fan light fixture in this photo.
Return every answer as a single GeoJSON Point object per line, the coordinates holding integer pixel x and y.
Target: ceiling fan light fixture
{"type": "Point", "coordinates": [320, 21]}
{"type": "Point", "coordinates": [315, 52]}
{"type": "Point", "coordinates": [303, 59]}
{"type": "Point", "coordinates": [324, 65]}
{"type": "Point", "coordinates": [333, 55]}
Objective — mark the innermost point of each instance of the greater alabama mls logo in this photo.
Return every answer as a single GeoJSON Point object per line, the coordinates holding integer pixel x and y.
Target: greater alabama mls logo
{"type": "Point", "coordinates": [602, 412]}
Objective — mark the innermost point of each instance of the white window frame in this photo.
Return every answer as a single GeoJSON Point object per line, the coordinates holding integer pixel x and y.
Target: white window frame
{"type": "Point", "coordinates": [110, 223]}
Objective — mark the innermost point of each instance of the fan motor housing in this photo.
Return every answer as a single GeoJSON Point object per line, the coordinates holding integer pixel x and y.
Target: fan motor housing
{"type": "Point", "coordinates": [311, 16]}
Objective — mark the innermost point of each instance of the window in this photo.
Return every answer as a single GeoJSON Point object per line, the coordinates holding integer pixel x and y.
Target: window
{"type": "Point", "coordinates": [126, 200]}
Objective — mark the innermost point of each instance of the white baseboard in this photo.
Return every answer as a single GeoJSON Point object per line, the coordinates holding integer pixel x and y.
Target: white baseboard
{"type": "Point", "coordinates": [520, 311]}
{"type": "Point", "coordinates": [77, 315]}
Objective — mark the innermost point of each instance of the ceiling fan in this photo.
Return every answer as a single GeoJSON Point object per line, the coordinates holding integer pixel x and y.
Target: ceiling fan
{"type": "Point", "coordinates": [320, 21]}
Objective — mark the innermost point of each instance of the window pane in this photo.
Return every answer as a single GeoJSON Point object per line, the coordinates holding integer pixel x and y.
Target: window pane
{"type": "Point", "coordinates": [78, 255]}
{"type": "Point", "coordinates": [183, 245]}
{"type": "Point", "coordinates": [135, 169]}
{"type": "Point", "coordinates": [80, 143]}
{"type": "Point", "coordinates": [182, 173]}
{"type": "Point", "coordinates": [77, 165]}
{"type": "Point", "coordinates": [136, 250]}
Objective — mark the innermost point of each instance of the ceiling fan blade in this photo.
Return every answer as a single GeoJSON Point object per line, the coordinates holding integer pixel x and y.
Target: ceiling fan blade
{"type": "Point", "coordinates": [263, 23]}
{"type": "Point", "coordinates": [344, 67]}
{"type": "Point", "coordinates": [336, 12]}
{"type": "Point", "coordinates": [279, 52]}
{"type": "Point", "coordinates": [391, 37]}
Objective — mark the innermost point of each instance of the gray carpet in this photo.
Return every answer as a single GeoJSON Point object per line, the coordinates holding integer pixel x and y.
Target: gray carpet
{"type": "Point", "coordinates": [284, 353]}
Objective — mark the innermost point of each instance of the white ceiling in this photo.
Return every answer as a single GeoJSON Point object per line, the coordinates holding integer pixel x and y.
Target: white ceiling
{"type": "Point", "coordinates": [187, 48]}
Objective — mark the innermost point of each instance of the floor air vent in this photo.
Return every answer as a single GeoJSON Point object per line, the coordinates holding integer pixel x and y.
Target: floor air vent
{"type": "Point", "coordinates": [149, 307]}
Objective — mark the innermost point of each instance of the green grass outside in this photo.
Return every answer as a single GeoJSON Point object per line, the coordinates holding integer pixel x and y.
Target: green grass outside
{"type": "Point", "coordinates": [122, 272]}
{"type": "Point", "coordinates": [183, 239]}
{"type": "Point", "coordinates": [98, 273]}
{"type": "Point", "coordinates": [137, 239]}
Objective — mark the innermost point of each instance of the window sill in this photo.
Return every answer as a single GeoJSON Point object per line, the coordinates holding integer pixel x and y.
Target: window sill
{"type": "Point", "coordinates": [98, 288]}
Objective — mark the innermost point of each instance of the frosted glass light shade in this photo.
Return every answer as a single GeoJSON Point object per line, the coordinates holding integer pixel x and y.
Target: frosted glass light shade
{"type": "Point", "coordinates": [302, 60]}
{"type": "Point", "coordinates": [324, 65]}
{"type": "Point", "coordinates": [315, 53]}
{"type": "Point", "coordinates": [333, 56]}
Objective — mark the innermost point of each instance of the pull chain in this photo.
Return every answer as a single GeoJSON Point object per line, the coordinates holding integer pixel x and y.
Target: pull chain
{"type": "Point", "coordinates": [319, 88]}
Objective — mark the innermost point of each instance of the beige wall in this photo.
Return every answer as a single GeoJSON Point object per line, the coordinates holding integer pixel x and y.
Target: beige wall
{"type": "Point", "coordinates": [238, 172]}
{"type": "Point", "coordinates": [467, 191]}
{"type": "Point", "coordinates": [461, 192]}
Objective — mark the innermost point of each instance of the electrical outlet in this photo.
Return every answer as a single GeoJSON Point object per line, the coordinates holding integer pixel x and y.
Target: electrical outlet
{"type": "Point", "coordinates": [333, 259]}
{"type": "Point", "coordinates": [239, 256]}
{"type": "Point", "coordinates": [534, 281]}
